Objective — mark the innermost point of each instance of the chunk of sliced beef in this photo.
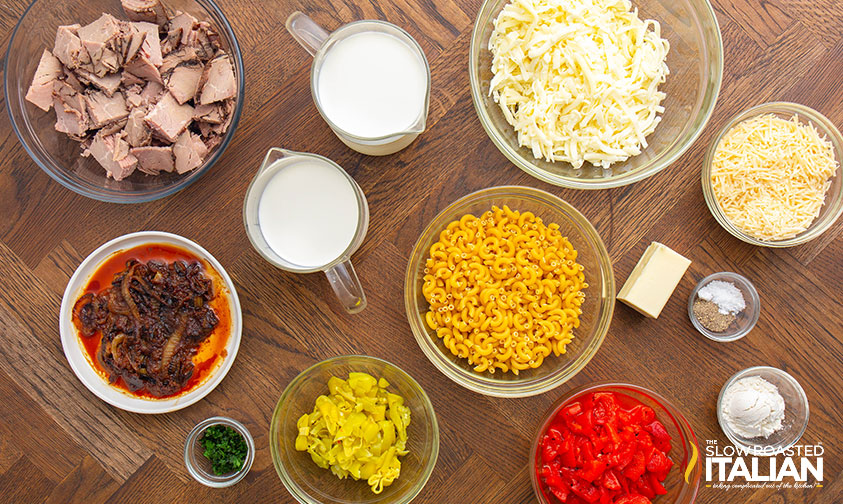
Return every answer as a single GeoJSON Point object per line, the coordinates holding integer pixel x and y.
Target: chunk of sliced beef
{"type": "Point", "coordinates": [151, 44]}
{"type": "Point", "coordinates": [204, 39]}
{"type": "Point", "coordinates": [189, 151]}
{"type": "Point", "coordinates": [213, 113]}
{"type": "Point", "coordinates": [217, 82]}
{"type": "Point", "coordinates": [137, 133]}
{"type": "Point", "coordinates": [112, 152]}
{"type": "Point", "coordinates": [183, 24]}
{"type": "Point", "coordinates": [152, 92]}
{"type": "Point", "coordinates": [71, 111]}
{"type": "Point", "coordinates": [130, 41]}
{"type": "Point", "coordinates": [104, 109]}
{"type": "Point", "coordinates": [68, 47]}
{"type": "Point", "coordinates": [108, 84]}
{"type": "Point", "coordinates": [153, 160]}
{"type": "Point", "coordinates": [115, 127]}
{"type": "Point", "coordinates": [130, 79]}
{"type": "Point", "coordinates": [40, 92]}
{"type": "Point", "coordinates": [152, 11]}
{"type": "Point", "coordinates": [183, 56]}
{"type": "Point", "coordinates": [168, 119]}
{"type": "Point", "coordinates": [182, 81]}
{"type": "Point", "coordinates": [143, 68]}
{"type": "Point", "coordinates": [96, 39]}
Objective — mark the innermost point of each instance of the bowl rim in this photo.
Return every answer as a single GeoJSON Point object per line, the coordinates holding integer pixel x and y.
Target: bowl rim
{"type": "Point", "coordinates": [95, 383]}
{"type": "Point", "coordinates": [755, 301]}
{"type": "Point", "coordinates": [212, 480]}
{"type": "Point", "coordinates": [754, 371]}
{"type": "Point", "coordinates": [712, 89]}
{"type": "Point", "coordinates": [694, 464]}
{"type": "Point", "coordinates": [274, 441]}
{"type": "Point", "coordinates": [814, 117]}
{"type": "Point", "coordinates": [514, 388]}
{"type": "Point", "coordinates": [96, 192]}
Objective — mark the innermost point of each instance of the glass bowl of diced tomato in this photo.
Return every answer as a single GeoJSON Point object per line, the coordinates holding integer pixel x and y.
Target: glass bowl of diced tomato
{"type": "Point", "coordinates": [615, 443]}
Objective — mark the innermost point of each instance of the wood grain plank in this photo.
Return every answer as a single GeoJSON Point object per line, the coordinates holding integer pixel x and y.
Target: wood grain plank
{"type": "Point", "coordinates": [88, 483]}
{"type": "Point", "coordinates": [150, 484]}
{"type": "Point", "coordinates": [24, 482]}
{"type": "Point", "coordinates": [58, 266]}
{"type": "Point", "coordinates": [56, 455]}
{"type": "Point", "coordinates": [477, 475]}
{"type": "Point", "coordinates": [764, 21]}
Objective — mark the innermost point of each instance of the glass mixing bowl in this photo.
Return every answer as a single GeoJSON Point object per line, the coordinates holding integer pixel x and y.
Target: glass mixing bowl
{"type": "Point", "coordinates": [744, 321]}
{"type": "Point", "coordinates": [833, 206]}
{"type": "Point", "coordinates": [683, 480]}
{"type": "Point", "coordinates": [696, 69]}
{"type": "Point", "coordinates": [309, 483]}
{"type": "Point", "coordinates": [58, 155]}
{"type": "Point", "coordinates": [796, 414]}
{"type": "Point", "coordinates": [597, 308]}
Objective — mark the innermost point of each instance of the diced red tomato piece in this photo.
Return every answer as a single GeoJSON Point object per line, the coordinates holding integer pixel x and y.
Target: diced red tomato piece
{"type": "Point", "coordinates": [633, 499]}
{"type": "Point", "coordinates": [585, 491]}
{"type": "Point", "coordinates": [658, 462]}
{"type": "Point", "coordinates": [636, 467]}
{"type": "Point", "coordinates": [610, 480]}
{"type": "Point", "coordinates": [658, 431]}
{"type": "Point", "coordinates": [572, 410]}
{"type": "Point", "coordinates": [657, 486]}
{"type": "Point", "coordinates": [591, 471]}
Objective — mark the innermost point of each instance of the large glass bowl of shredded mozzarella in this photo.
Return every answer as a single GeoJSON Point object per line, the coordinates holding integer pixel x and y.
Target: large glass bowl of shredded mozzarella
{"type": "Point", "coordinates": [595, 93]}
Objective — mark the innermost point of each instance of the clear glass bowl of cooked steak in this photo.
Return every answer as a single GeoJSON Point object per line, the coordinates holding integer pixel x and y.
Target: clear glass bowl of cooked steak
{"type": "Point", "coordinates": [124, 101]}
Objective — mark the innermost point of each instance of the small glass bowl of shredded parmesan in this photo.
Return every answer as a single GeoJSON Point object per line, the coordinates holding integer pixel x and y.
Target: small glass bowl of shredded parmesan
{"type": "Point", "coordinates": [594, 93]}
{"type": "Point", "coordinates": [772, 177]}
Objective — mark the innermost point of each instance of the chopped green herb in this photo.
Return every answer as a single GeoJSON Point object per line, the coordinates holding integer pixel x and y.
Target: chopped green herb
{"type": "Point", "coordinates": [225, 448]}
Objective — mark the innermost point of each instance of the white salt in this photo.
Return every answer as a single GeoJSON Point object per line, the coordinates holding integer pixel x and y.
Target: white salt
{"type": "Point", "coordinates": [725, 295]}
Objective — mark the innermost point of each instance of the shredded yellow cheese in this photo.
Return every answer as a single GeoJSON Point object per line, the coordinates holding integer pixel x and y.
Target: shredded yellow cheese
{"type": "Point", "coordinates": [578, 79]}
{"type": "Point", "coordinates": [770, 176]}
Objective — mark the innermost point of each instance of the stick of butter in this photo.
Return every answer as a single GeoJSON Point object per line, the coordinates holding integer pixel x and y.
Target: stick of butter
{"type": "Point", "coordinates": [653, 280]}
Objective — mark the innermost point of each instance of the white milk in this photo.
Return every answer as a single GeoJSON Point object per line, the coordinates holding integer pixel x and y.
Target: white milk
{"type": "Point", "coordinates": [372, 84]}
{"type": "Point", "coordinates": [308, 212]}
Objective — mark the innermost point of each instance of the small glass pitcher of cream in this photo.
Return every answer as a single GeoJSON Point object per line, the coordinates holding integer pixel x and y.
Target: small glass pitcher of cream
{"type": "Point", "coordinates": [304, 213]}
{"type": "Point", "coordinates": [370, 81]}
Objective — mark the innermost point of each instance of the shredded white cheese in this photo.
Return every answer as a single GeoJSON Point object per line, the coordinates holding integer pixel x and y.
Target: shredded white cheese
{"type": "Point", "coordinates": [770, 175]}
{"type": "Point", "coordinates": [578, 79]}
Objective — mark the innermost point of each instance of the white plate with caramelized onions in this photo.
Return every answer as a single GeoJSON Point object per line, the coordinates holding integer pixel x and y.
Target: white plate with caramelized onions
{"type": "Point", "coordinates": [189, 315]}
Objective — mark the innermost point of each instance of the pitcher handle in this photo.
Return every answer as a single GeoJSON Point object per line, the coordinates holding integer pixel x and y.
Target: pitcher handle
{"type": "Point", "coordinates": [307, 33]}
{"type": "Point", "coordinates": [347, 286]}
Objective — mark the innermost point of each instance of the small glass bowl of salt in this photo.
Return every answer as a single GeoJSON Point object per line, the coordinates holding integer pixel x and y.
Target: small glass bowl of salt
{"type": "Point", "coordinates": [724, 306]}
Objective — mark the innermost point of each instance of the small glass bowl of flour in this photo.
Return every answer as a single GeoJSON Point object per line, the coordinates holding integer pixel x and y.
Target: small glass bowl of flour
{"type": "Point", "coordinates": [724, 306]}
{"type": "Point", "coordinates": [762, 410]}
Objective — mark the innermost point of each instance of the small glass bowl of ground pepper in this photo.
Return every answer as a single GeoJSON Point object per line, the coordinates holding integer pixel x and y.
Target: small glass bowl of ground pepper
{"type": "Point", "coordinates": [219, 452]}
{"type": "Point", "coordinates": [724, 306]}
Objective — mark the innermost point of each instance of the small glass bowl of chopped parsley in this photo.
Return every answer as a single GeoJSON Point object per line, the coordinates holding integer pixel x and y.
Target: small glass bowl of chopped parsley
{"type": "Point", "coordinates": [219, 452]}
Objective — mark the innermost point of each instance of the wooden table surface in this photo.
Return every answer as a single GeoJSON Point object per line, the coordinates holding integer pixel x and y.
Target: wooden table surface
{"type": "Point", "coordinates": [59, 443]}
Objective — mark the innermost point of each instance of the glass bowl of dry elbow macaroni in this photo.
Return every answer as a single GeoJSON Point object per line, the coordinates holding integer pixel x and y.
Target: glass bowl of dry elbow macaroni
{"type": "Point", "coordinates": [594, 94]}
{"type": "Point", "coordinates": [509, 291]}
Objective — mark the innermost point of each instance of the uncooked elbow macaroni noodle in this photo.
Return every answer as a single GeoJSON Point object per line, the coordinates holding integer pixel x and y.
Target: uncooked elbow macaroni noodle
{"type": "Point", "coordinates": [504, 289]}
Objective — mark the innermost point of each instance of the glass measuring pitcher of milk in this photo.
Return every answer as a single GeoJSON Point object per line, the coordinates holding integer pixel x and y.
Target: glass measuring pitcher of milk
{"type": "Point", "coordinates": [370, 81]}
{"type": "Point", "coordinates": [304, 213]}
